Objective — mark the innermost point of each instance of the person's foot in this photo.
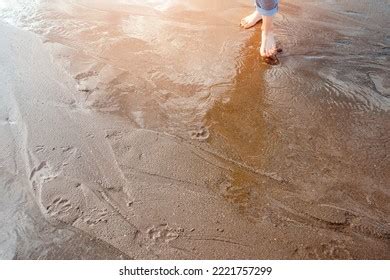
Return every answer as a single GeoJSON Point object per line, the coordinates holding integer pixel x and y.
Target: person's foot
{"type": "Point", "coordinates": [268, 44]}
{"type": "Point", "coordinates": [251, 20]}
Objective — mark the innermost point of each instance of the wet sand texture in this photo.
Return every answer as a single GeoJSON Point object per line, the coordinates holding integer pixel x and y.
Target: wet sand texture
{"type": "Point", "coordinates": [143, 131]}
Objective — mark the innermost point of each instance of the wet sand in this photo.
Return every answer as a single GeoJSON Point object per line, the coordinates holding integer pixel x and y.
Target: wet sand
{"type": "Point", "coordinates": [151, 130]}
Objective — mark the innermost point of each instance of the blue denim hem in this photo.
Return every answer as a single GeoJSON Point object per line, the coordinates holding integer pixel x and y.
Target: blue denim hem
{"type": "Point", "coordinates": [267, 12]}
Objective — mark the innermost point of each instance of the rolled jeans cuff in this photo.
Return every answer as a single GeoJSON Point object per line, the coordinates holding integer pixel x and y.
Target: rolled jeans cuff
{"type": "Point", "coordinates": [265, 12]}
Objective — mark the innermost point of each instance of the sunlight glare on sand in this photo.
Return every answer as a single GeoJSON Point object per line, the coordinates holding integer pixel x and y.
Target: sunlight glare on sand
{"type": "Point", "coordinates": [3, 4]}
{"type": "Point", "coordinates": [161, 5]}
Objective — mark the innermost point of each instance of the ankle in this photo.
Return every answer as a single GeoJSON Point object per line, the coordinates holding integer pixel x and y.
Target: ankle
{"type": "Point", "coordinates": [267, 32]}
{"type": "Point", "coordinates": [268, 25]}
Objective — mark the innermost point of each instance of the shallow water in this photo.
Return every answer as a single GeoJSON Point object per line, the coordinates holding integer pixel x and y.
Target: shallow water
{"type": "Point", "coordinates": [313, 129]}
{"type": "Point", "coordinates": [163, 64]}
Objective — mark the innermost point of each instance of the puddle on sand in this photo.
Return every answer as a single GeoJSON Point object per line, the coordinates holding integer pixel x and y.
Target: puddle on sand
{"type": "Point", "coordinates": [314, 128]}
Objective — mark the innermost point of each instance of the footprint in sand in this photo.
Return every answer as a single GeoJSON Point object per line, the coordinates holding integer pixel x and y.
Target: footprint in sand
{"type": "Point", "coordinates": [86, 81]}
{"type": "Point", "coordinates": [97, 216]}
{"type": "Point", "coordinates": [61, 200]}
{"type": "Point", "coordinates": [59, 207]}
{"type": "Point", "coordinates": [371, 228]}
{"type": "Point", "coordinates": [332, 250]}
{"type": "Point", "coordinates": [201, 134]}
{"type": "Point", "coordinates": [163, 233]}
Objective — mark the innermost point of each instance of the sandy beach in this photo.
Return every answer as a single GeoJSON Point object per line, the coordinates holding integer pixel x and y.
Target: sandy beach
{"type": "Point", "coordinates": [152, 130]}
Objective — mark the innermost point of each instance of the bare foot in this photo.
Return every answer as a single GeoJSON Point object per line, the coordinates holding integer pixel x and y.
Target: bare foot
{"type": "Point", "coordinates": [268, 44]}
{"type": "Point", "coordinates": [251, 20]}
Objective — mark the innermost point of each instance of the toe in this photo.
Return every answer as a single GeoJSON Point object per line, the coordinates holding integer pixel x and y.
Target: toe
{"type": "Point", "coordinates": [250, 21]}
{"type": "Point", "coordinates": [244, 23]}
{"type": "Point", "coordinates": [248, 25]}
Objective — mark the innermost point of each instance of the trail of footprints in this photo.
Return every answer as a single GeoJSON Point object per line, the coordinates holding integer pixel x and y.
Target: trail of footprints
{"type": "Point", "coordinates": [284, 209]}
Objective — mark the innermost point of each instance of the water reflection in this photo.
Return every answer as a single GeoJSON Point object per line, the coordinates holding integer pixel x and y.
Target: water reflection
{"type": "Point", "coordinates": [237, 121]}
